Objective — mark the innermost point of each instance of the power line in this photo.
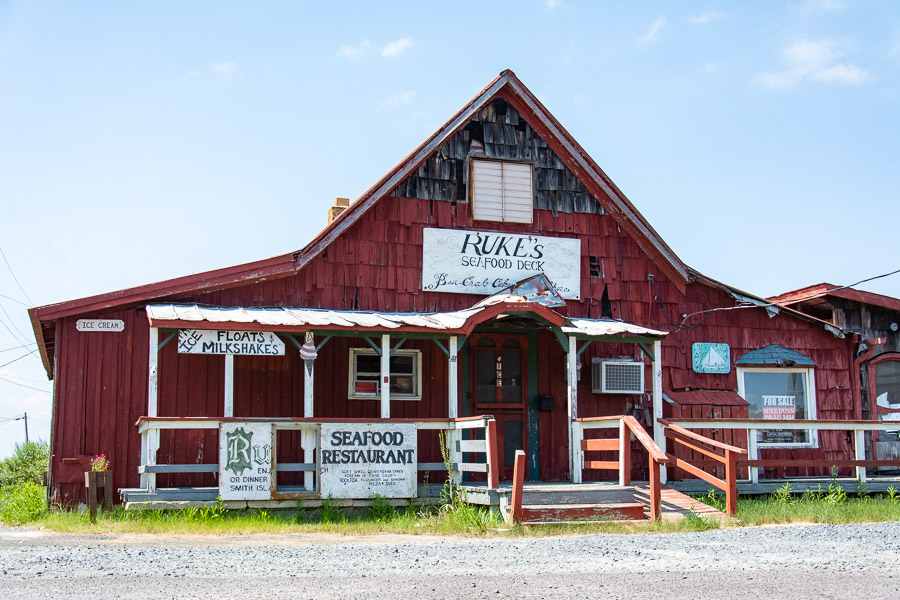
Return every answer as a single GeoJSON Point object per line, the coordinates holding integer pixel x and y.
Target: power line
{"type": "Point", "coordinates": [20, 358]}
{"type": "Point", "coordinates": [24, 386]}
{"type": "Point", "coordinates": [16, 347]}
{"type": "Point", "coordinates": [778, 304]}
{"type": "Point", "coordinates": [12, 333]}
{"type": "Point", "coordinates": [12, 322]}
{"type": "Point", "coordinates": [16, 279]}
{"type": "Point", "coordinates": [13, 299]}
{"type": "Point", "coordinates": [25, 379]}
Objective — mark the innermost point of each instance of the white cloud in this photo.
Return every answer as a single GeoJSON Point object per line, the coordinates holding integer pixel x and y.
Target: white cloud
{"type": "Point", "coordinates": [710, 68]}
{"type": "Point", "coordinates": [807, 60]}
{"type": "Point", "coordinates": [653, 33]}
{"type": "Point", "coordinates": [226, 69]}
{"type": "Point", "coordinates": [553, 3]}
{"type": "Point", "coordinates": [706, 17]}
{"type": "Point", "coordinates": [401, 98]}
{"type": "Point", "coordinates": [895, 51]}
{"type": "Point", "coordinates": [395, 48]}
{"type": "Point", "coordinates": [364, 47]}
{"type": "Point", "coordinates": [823, 6]}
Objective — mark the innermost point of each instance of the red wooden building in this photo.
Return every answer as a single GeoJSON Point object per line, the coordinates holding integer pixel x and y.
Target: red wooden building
{"type": "Point", "coordinates": [386, 302]}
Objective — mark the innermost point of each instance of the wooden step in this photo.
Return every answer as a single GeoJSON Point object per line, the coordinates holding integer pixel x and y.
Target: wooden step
{"type": "Point", "coordinates": [574, 495]}
{"type": "Point", "coordinates": [562, 513]}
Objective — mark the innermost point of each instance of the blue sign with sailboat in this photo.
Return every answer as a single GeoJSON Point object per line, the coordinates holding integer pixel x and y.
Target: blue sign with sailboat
{"type": "Point", "coordinates": [711, 358]}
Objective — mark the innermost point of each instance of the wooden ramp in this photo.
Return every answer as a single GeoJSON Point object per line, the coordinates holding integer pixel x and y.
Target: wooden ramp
{"type": "Point", "coordinates": [674, 504]}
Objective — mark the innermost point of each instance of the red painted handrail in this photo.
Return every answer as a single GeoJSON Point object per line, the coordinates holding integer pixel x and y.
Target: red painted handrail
{"type": "Point", "coordinates": [710, 448]}
{"type": "Point", "coordinates": [515, 508]}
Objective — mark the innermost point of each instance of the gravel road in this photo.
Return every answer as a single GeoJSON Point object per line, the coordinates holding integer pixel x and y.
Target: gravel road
{"type": "Point", "coordinates": [800, 561]}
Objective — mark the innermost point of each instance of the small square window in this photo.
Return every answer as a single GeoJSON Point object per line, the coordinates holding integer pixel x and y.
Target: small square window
{"type": "Point", "coordinates": [365, 374]}
{"type": "Point", "coordinates": [502, 191]}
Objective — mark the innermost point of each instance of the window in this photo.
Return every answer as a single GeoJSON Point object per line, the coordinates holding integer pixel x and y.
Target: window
{"type": "Point", "coordinates": [365, 374]}
{"type": "Point", "coordinates": [501, 191]}
{"type": "Point", "coordinates": [886, 393]}
{"type": "Point", "coordinates": [783, 394]}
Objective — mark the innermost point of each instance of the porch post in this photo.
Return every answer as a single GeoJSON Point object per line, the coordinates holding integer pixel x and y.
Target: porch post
{"type": "Point", "coordinates": [452, 380]}
{"type": "Point", "coordinates": [572, 405]}
{"type": "Point", "coordinates": [308, 437]}
{"type": "Point", "coordinates": [659, 435]}
{"type": "Point", "coordinates": [148, 480]}
{"type": "Point", "coordinates": [386, 376]}
{"type": "Point", "coordinates": [229, 385]}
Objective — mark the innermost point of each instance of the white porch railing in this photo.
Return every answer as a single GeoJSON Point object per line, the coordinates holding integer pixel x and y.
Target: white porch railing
{"type": "Point", "coordinates": [150, 428]}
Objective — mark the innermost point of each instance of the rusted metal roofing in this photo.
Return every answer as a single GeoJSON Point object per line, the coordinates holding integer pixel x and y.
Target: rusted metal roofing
{"type": "Point", "coordinates": [706, 397]}
{"type": "Point", "coordinates": [455, 322]}
{"type": "Point", "coordinates": [822, 290]}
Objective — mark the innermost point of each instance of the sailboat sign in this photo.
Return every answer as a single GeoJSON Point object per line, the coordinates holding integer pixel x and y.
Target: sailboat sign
{"type": "Point", "coordinates": [711, 358]}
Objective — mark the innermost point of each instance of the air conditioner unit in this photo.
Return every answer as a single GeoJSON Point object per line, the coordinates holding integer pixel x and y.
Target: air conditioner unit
{"type": "Point", "coordinates": [617, 377]}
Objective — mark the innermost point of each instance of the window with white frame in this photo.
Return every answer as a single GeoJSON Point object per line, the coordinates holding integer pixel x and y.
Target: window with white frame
{"type": "Point", "coordinates": [785, 394]}
{"type": "Point", "coordinates": [502, 191]}
{"type": "Point", "coordinates": [365, 374]}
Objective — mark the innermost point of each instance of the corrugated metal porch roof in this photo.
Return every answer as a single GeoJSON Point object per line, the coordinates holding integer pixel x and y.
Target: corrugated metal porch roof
{"type": "Point", "coordinates": [455, 322]}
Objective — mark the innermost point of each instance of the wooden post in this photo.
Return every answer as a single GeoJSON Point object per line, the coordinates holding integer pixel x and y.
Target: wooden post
{"type": "Point", "coordinates": [308, 437]}
{"type": "Point", "coordinates": [453, 379]}
{"type": "Point", "coordinates": [753, 454]}
{"type": "Point", "coordinates": [578, 463]}
{"type": "Point", "coordinates": [229, 385]}
{"type": "Point", "coordinates": [515, 509]}
{"type": "Point", "coordinates": [385, 376]}
{"type": "Point", "coordinates": [859, 446]}
{"type": "Point", "coordinates": [102, 480]}
{"type": "Point", "coordinates": [572, 407]}
{"type": "Point", "coordinates": [731, 493]}
{"type": "Point", "coordinates": [152, 401]}
{"type": "Point", "coordinates": [655, 492]}
{"type": "Point", "coordinates": [659, 434]}
{"type": "Point", "coordinates": [624, 454]}
{"type": "Point", "coordinates": [152, 449]}
{"type": "Point", "coordinates": [492, 455]}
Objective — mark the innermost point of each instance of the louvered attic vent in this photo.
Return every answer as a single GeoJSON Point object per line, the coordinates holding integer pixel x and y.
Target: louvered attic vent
{"type": "Point", "coordinates": [617, 377]}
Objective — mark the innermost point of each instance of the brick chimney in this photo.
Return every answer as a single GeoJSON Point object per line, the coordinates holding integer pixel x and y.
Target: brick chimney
{"type": "Point", "coordinates": [340, 205]}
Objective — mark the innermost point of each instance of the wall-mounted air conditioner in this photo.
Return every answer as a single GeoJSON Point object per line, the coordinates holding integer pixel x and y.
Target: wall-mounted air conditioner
{"type": "Point", "coordinates": [617, 377]}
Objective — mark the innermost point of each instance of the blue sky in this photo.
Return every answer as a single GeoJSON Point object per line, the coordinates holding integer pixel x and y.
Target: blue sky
{"type": "Point", "coordinates": [143, 141]}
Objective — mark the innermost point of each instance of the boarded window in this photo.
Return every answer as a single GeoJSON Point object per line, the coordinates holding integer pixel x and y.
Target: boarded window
{"type": "Point", "coordinates": [502, 191]}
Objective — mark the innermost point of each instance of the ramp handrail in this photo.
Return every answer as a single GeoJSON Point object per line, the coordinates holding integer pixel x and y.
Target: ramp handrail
{"type": "Point", "coordinates": [627, 425]}
{"type": "Point", "coordinates": [710, 448]}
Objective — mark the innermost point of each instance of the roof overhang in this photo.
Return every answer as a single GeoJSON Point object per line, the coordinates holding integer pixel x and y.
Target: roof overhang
{"type": "Point", "coordinates": [438, 324]}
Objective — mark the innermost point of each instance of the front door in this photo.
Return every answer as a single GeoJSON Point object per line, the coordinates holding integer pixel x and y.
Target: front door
{"type": "Point", "coordinates": [499, 382]}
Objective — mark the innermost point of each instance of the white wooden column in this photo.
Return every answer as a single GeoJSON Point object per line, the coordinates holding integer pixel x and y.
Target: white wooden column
{"type": "Point", "coordinates": [308, 437]}
{"type": "Point", "coordinates": [572, 408]}
{"type": "Point", "coordinates": [659, 435]}
{"type": "Point", "coordinates": [385, 376]}
{"type": "Point", "coordinates": [753, 454]}
{"type": "Point", "coordinates": [229, 385]}
{"type": "Point", "coordinates": [452, 379]}
{"type": "Point", "coordinates": [150, 438]}
{"type": "Point", "coordinates": [859, 446]}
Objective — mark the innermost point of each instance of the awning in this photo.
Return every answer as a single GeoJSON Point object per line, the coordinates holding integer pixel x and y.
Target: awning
{"type": "Point", "coordinates": [461, 322]}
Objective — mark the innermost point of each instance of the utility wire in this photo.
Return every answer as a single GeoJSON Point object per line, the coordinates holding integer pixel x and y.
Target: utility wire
{"type": "Point", "coordinates": [16, 347]}
{"type": "Point", "coordinates": [12, 333]}
{"type": "Point", "coordinates": [13, 299]}
{"type": "Point", "coordinates": [12, 322]}
{"type": "Point", "coordinates": [778, 304]}
{"type": "Point", "coordinates": [24, 386]}
{"type": "Point", "coordinates": [20, 358]}
{"type": "Point", "coordinates": [16, 279]}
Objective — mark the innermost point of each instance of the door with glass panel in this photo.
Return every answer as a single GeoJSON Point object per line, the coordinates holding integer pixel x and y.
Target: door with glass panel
{"type": "Point", "coordinates": [500, 388]}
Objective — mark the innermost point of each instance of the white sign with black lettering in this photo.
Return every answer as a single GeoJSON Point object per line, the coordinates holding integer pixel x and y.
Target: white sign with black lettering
{"type": "Point", "coordinates": [210, 341]}
{"type": "Point", "coordinates": [485, 262]}
{"type": "Point", "coordinates": [245, 461]}
{"type": "Point", "coordinates": [100, 325]}
{"type": "Point", "coordinates": [360, 460]}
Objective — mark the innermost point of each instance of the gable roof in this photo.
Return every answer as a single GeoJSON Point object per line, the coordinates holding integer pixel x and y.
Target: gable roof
{"type": "Point", "coordinates": [775, 355]}
{"type": "Point", "coordinates": [506, 85]}
{"type": "Point", "coordinates": [820, 291]}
